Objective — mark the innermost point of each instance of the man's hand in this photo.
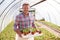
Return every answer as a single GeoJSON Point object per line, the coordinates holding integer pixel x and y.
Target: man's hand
{"type": "Point", "coordinates": [20, 35]}
{"type": "Point", "coordinates": [18, 32]}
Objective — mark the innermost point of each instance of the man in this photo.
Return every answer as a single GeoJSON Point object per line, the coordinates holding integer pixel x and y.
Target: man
{"type": "Point", "coordinates": [23, 20]}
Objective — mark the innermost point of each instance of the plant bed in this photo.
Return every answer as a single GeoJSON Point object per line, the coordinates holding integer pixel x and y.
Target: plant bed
{"type": "Point", "coordinates": [52, 25]}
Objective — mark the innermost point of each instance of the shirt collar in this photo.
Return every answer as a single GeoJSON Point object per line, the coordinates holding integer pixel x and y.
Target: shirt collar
{"type": "Point", "coordinates": [24, 15]}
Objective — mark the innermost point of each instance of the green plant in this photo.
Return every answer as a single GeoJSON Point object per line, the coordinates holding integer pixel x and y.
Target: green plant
{"type": "Point", "coordinates": [33, 30]}
{"type": "Point", "coordinates": [26, 31]}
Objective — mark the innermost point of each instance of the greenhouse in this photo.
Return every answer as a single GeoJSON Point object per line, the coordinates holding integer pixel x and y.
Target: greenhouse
{"type": "Point", "coordinates": [46, 14]}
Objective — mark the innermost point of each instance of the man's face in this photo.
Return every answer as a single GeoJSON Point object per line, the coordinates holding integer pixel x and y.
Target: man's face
{"type": "Point", "coordinates": [26, 9]}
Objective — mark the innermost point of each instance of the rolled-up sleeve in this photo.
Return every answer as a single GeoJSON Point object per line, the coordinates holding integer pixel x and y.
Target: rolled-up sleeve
{"type": "Point", "coordinates": [33, 25]}
{"type": "Point", "coordinates": [15, 27]}
{"type": "Point", "coordinates": [16, 23]}
{"type": "Point", "coordinates": [33, 19]}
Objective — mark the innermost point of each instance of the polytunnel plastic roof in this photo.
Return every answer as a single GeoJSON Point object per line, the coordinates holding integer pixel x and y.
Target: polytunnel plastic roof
{"type": "Point", "coordinates": [49, 10]}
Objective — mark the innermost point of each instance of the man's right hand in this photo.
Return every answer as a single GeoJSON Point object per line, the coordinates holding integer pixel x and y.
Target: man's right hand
{"type": "Point", "coordinates": [18, 32]}
{"type": "Point", "coordinates": [20, 35]}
